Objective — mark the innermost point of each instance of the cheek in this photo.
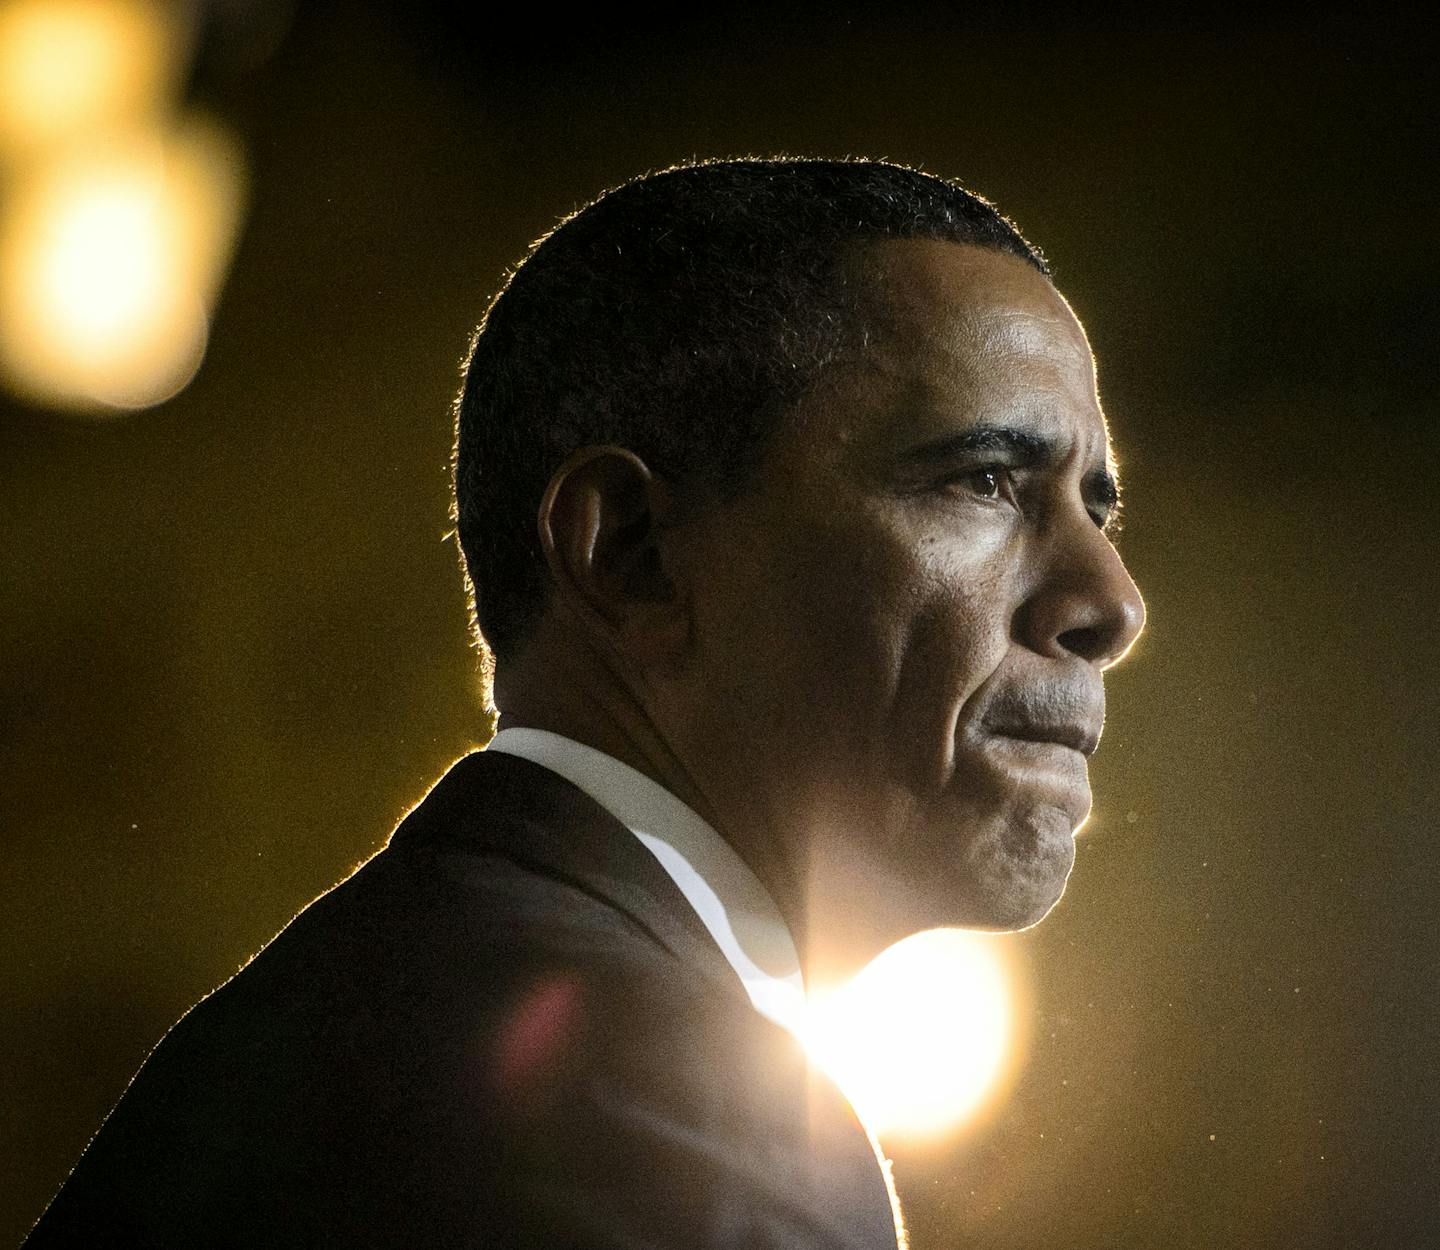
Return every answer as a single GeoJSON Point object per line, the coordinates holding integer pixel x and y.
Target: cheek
{"type": "Point", "coordinates": [956, 626]}
{"type": "Point", "coordinates": [806, 633]}
{"type": "Point", "coordinates": [855, 637]}
{"type": "Point", "coordinates": [891, 643]}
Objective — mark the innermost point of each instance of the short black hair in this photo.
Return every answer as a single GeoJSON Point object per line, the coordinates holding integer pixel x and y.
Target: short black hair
{"type": "Point", "coordinates": [678, 316]}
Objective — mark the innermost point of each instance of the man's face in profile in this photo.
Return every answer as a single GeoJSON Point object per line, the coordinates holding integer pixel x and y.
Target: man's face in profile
{"type": "Point", "coordinates": [902, 626]}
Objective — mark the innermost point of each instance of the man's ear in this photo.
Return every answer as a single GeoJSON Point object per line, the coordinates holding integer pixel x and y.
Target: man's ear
{"type": "Point", "coordinates": [600, 525]}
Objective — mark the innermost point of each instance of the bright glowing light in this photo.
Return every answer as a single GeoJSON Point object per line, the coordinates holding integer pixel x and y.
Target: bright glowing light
{"type": "Point", "coordinates": [68, 67]}
{"type": "Point", "coordinates": [109, 259]}
{"type": "Point", "coordinates": [106, 261]}
{"type": "Point", "coordinates": [924, 1034]}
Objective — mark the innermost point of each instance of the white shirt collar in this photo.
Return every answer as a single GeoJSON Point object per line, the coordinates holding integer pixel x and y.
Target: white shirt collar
{"type": "Point", "coordinates": [731, 903]}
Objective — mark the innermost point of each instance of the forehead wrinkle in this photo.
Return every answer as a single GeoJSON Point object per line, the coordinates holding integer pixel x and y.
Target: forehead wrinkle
{"type": "Point", "coordinates": [979, 342]}
{"type": "Point", "coordinates": [973, 351]}
{"type": "Point", "coordinates": [921, 403]}
{"type": "Point", "coordinates": [1020, 331]}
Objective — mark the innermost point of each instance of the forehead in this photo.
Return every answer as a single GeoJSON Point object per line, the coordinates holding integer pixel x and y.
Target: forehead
{"type": "Point", "coordinates": [956, 335]}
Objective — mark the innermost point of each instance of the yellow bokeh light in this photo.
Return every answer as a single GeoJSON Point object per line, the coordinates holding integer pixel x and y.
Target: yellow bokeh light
{"type": "Point", "coordinates": [924, 1036]}
{"type": "Point", "coordinates": [110, 257]}
{"type": "Point", "coordinates": [70, 67]}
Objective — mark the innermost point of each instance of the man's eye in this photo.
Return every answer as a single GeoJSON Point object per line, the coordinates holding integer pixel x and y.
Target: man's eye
{"type": "Point", "coordinates": [985, 481]}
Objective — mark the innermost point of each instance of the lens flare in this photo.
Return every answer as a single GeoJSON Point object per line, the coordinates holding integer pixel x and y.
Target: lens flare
{"type": "Point", "coordinates": [109, 259]}
{"type": "Point", "coordinates": [70, 67]}
{"type": "Point", "coordinates": [923, 1036]}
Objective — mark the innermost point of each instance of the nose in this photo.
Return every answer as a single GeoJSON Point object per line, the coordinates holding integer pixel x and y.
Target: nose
{"type": "Point", "coordinates": [1084, 602]}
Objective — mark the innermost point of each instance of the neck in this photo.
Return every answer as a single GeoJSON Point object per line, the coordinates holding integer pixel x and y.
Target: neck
{"type": "Point", "coordinates": [581, 697]}
{"type": "Point", "coordinates": [558, 691]}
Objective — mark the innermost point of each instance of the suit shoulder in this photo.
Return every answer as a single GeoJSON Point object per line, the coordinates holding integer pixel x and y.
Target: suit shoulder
{"type": "Point", "coordinates": [348, 1039]}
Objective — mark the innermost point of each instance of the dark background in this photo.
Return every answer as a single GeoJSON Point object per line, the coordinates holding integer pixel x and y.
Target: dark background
{"type": "Point", "coordinates": [233, 645]}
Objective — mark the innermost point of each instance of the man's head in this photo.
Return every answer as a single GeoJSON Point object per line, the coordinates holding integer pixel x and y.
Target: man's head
{"type": "Point", "coordinates": [679, 316]}
{"type": "Point", "coordinates": [805, 459]}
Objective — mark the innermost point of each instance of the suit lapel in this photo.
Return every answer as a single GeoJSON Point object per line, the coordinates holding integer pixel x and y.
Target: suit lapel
{"type": "Point", "coordinates": [500, 804]}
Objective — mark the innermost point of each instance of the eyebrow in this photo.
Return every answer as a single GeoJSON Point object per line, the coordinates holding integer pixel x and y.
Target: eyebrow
{"type": "Point", "coordinates": [1024, 448]}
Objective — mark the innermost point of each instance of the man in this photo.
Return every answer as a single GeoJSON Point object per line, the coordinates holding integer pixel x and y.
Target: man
{"type": "Point", "coordinates": [784, 490]}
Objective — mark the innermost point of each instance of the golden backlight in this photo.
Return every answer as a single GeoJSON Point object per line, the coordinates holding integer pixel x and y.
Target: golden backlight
{"type": "Point", "coordinates": [924, 1036]}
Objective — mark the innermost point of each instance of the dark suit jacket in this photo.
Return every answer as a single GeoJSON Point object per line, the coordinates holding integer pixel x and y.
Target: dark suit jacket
{"type": "Point", "coordinates": [509, 1028]}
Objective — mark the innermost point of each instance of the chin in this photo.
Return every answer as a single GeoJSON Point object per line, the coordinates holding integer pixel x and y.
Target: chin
{"type": "Point", "coordinates": [1015, 873]}
{"type": "Point", "coordinates": [1016, 910]}
{"type": "Point", "coordinates": [1004, 871]}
